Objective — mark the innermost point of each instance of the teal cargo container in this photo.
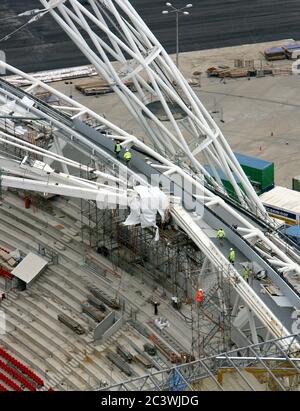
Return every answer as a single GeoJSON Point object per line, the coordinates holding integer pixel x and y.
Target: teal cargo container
{"type": "Point", "coordinates": [259, 172]}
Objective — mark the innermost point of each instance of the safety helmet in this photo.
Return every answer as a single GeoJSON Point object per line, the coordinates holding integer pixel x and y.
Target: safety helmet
{"type": "Point", "coordinates": [231, 249]}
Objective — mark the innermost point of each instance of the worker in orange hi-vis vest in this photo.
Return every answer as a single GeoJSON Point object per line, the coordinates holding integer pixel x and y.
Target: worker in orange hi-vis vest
{"type": "Point", "coordinates": [200, 295]}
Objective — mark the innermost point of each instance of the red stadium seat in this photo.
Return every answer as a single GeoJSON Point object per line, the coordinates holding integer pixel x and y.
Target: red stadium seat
{"type": "Point", "coordinates": [6, 274]}
{"type": "Point", "coordinates": [2, 388]}
{"type": "Point", "coordinates": [10, 383]}
{"type": "Point", "coordinates": [17, 376]}
{"type": "Point", "coordinates": [21, 367]}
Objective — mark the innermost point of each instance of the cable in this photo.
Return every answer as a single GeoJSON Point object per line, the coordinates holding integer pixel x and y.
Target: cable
{"type": "Point", "coordinates": [35, 18]}
{"type": "Point", "coordinates": [7, 18]}
{"type": "Point", "coordinates": [31, 12]}
{"type": "Point", "coordinates": [25, 13]}
{"type": "Point", "coordinates": [12, 33]}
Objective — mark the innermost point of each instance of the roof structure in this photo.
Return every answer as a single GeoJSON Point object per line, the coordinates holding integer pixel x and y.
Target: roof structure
{"type": "Point", "coordinates": [254, 162]}
{"type": "Point", "coordinates": [31, 266]}
{"type": "Point", "coordinates": [282, 197]}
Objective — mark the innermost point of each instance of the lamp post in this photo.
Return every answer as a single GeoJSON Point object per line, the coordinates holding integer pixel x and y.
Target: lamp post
{"type": "Point", "coordinates": [181, 10]}
{"type": "Point", "coordinates": [70, 83]}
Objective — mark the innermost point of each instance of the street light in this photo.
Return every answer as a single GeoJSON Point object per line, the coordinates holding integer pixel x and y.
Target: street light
{"type": "Point", "coordinates": [181, 10]}
{"type": "Point", "coordinates": [70, 83]}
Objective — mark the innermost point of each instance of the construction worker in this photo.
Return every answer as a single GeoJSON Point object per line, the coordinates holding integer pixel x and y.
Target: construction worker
{"type": "Point", "coordinates": [221, 235]}
{"type": "Point", "coordinates": [127, 155]}
{"type": "Point", "coordinates": [156, 304]}
{"type": "Point", "coordinates": [200, 295]}
{"type": "Point", "coordinates": [246, 274]}
{"type": "Point", "coordinates": [175, 302]}
{"type": "Point", "coordinates": [118, 148]}
{"type": "Point", "coordinates": [231, 256]}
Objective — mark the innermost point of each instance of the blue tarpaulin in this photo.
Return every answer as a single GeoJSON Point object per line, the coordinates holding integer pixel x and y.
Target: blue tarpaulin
{"type": "Point", "coordinates": [293, 46]}
{"type": "Point", "coordinates": [176, 382]}
{"type": "Point", "coordinates": [274, 50]}
{"type": "Point", "coordinates": [293, 231]}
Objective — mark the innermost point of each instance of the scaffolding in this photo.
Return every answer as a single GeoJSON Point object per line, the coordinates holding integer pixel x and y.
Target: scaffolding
{"type": "Point", "coordinates": [173, 264]}
{"type": "Point", "coordinates": [259, 367]}
{"type": "Point", "coordinates": [213, 317]}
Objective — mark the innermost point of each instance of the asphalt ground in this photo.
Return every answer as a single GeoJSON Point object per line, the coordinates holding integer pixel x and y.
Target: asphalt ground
{"type": "Point", "coordinates": [211, 24]}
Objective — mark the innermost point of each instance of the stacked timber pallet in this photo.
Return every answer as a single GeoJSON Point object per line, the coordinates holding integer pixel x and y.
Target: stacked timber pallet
{"type": "Point", "coordinates": [6, 260]}
{"type": "Point", "coordinates": [282, 70]}
{"type": "Point", "coordinates": [225, 71]}
{"type": "Point", "coordinates": [98, 87]}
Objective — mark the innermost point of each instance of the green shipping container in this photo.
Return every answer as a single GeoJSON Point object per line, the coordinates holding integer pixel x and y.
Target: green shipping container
{"type": "Point", "coordinates": [296, 183]}
{"type": "Point", "coordinates": [260, 172]}
{"type": "Point", "coordinates": [229, 188]}
{"type": "Point", "coordinates": [227, 184]}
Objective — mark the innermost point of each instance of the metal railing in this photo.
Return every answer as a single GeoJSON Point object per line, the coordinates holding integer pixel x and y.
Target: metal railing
{"type": "Point", "coordinates": [267, 357]}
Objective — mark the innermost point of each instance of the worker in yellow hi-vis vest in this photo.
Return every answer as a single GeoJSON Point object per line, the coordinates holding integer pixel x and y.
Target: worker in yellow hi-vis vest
{"type": "Point", "coordinates": [231, 256]}
{"type": "Point", "coordinates": [221, 235]}
{"type": "Point", "coordinates": [127, 156]}
{"type": "Point", "coordinates": [118, 148]}
{"type": "Point", "coordinates": [246, 274]}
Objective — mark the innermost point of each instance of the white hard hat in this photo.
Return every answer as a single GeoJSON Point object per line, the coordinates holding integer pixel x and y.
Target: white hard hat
{"type": "Point", "coordinates": [231, 249]}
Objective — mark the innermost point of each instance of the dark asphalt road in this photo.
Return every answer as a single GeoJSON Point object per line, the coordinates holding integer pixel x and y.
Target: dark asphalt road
{"type": "Point", "coordinates": [212, 23]}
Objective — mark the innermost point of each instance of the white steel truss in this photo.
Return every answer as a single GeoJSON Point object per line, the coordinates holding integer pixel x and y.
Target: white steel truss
{"type": "Point", "coordinates": [163, 103]}
{"type": "Point", "coordinates": [285, 262]}
{"type": "Point", "coordinates": [274, 358]}
{"type": "Point", "coordinates": [277, 252]}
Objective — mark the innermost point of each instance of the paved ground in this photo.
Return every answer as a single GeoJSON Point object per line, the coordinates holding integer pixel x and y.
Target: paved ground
{"type": "Point", "coordinates": [252, 110]}
{"type": "Point", "coordinates": [212, 23]}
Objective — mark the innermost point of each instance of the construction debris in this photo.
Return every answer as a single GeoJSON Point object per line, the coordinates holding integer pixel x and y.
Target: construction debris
{"type": "Point", "coordinates": [222, 71]}
{"type": "Point", "coordinates": [283, 52]}
{"type": "Point", "coordinates": [143, 360]}
{"type": "Point", "coordinates": [150, 349]}
{"type": "Point", "coordinates": [111, 302]}
{"type": "Point", "coordinates": [124, 353]}
{"type": "Point", "coordinates": [117, 360]}
{"type": "Point", "coordinates": [54, 75]}
{"type": "Point", "coordinates": [92, 312]}
{"type": "Point", "coordinates": [275, 53]}
{"type": "Point", "coordinates": [92, 300]}
{"type": "Point", "coordinates": [72, 324]}
{"type": "Point", "coordinates": [95, 87]}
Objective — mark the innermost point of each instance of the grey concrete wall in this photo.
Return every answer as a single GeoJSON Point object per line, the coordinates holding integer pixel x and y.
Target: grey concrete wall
{"type": "Point", "coordinates": [113, 329]}
{"type": "Point", "coordinates": [107, 327]}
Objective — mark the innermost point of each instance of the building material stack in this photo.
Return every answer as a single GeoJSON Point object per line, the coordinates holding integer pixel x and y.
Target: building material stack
{"type": "Point", "coordinates": [224, 71]}
{"type": "Point", "coordinates": [275, 53]}
{"type": "Point", "coordinates": [99, 86]}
